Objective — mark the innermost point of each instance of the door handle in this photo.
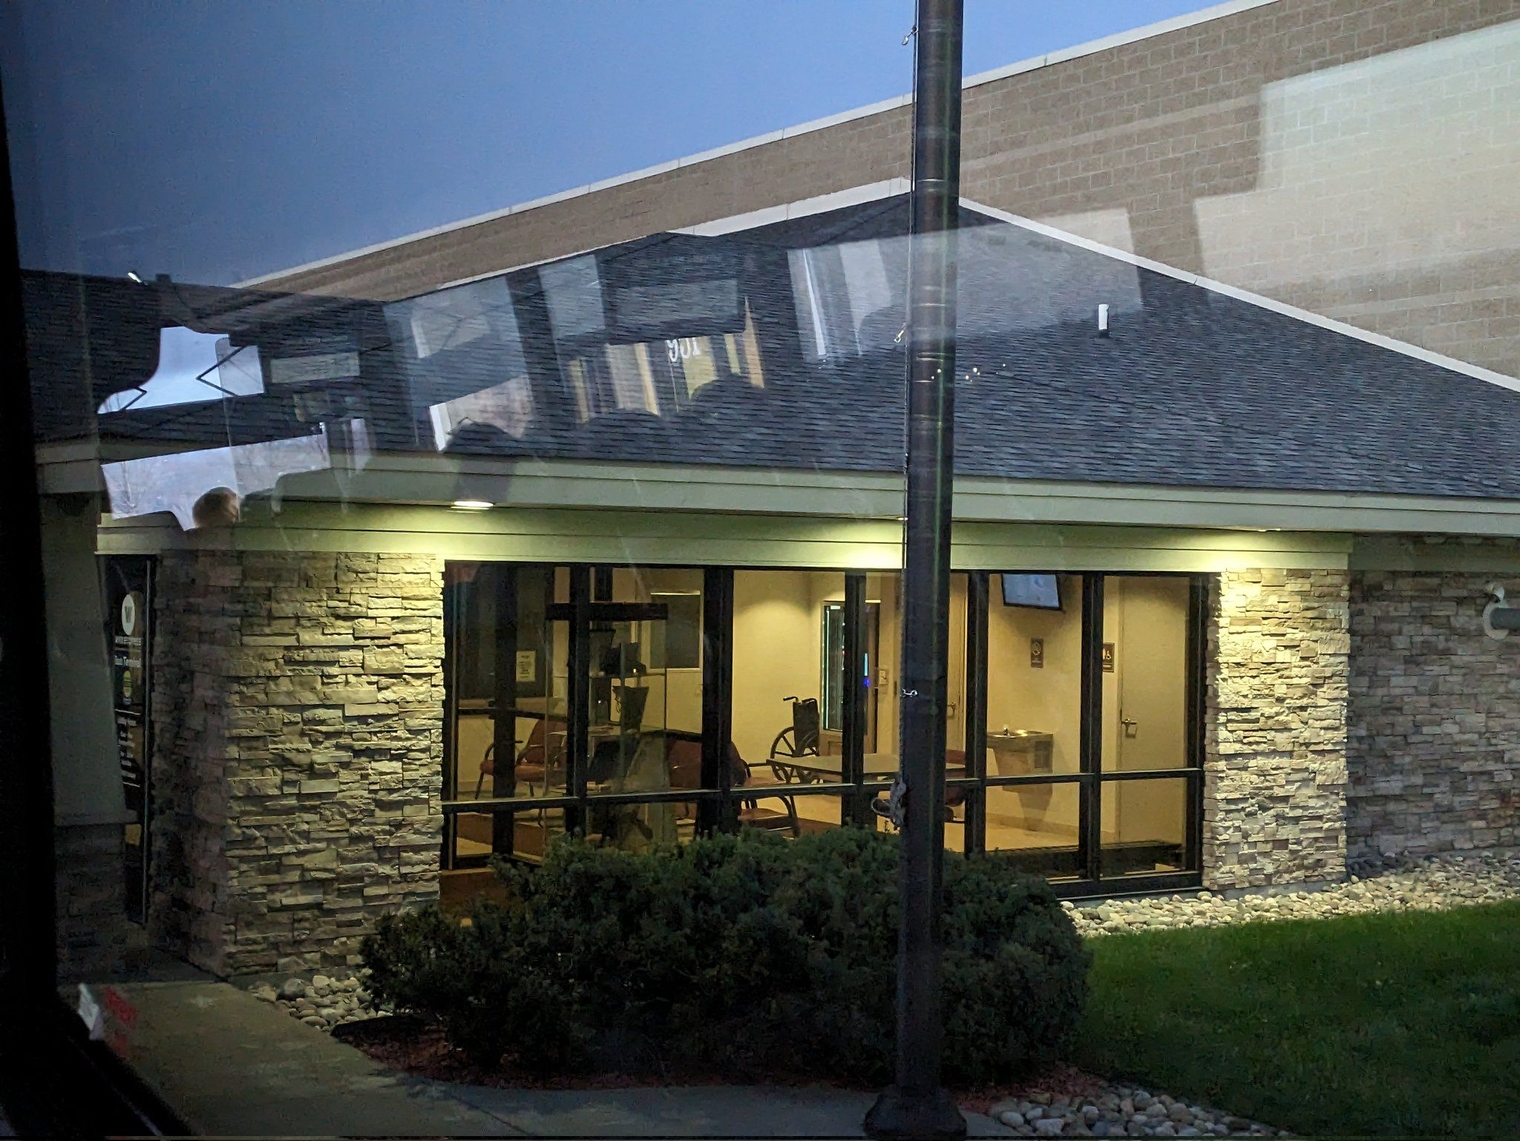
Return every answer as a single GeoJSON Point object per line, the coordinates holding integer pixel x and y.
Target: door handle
{"type": "Point", "coordinates": [1129, 726]}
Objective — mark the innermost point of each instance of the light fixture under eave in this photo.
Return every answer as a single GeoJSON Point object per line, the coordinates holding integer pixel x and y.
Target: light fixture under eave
{"type": "Point", "coordinates": [473, 505]}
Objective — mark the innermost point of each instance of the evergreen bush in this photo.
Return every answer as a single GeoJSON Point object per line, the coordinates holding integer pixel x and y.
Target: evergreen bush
{"type": "Point", "coordinates": [745, 955]}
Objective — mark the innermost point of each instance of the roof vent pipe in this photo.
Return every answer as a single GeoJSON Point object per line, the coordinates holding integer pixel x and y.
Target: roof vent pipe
{"type": "Point", "coordinates": [1102, 320]}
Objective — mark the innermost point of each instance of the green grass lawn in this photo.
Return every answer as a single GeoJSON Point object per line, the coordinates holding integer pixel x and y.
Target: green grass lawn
{"type": "Point", "coordinates": [1393, 1025]}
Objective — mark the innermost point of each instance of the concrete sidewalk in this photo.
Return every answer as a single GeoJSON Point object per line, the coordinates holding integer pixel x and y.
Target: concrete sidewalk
{"type": "Point", "coordinates": [232, 1065]}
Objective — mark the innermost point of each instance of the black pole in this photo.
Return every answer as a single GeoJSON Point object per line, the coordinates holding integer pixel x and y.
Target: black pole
{"type": "Point", "coordinates": [917, 1105]}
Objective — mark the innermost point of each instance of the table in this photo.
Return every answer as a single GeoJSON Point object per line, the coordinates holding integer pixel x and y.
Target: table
{"type": "Point", "coordinates": [875, 766]}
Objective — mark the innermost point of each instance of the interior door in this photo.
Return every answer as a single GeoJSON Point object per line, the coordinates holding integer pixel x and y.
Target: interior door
{"type": "Point", "coordinates": [835, 681]}
{"type": "Point", "coordinates": [1145, 721]}
{"type": "Point", "coordinates": [1151, 667]}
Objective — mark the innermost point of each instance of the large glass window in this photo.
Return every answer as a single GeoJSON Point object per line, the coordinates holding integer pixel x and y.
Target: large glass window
{"type": "Point", "coordinates": [508, 691]}
{"type": "Point", "coordinates": [582, 698]}
{"type": "Point", "coordinates": [643, 731]}
{"type": "Point", "coordinates": [1034, 718]}
{"type": "Point", "coordinates": [576, 700]}
{"type": "Point", "coordinates": [1092, 723]}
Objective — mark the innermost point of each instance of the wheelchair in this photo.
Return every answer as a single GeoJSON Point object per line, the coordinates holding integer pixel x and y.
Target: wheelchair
{"type": "Point", "coordinates": [799, 739]}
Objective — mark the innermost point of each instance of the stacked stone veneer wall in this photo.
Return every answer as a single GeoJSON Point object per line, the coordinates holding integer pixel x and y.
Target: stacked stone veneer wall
{"type": "Point", "coordinates": [298, 718]}
{"type": "Point", "coordinates": [1275, 734]}
{"type": "Point", "coordinates": [96, 940]}
{"type": "Point", "coordinates": [1434, 717]}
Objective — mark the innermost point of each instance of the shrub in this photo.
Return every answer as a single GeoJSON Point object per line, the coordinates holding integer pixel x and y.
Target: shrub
{"type": "Point", "coordinates": [743, 954]}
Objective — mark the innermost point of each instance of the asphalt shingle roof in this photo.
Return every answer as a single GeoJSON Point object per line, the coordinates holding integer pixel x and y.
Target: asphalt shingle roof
{"type": "Point", "coordinates": [1191, 388]}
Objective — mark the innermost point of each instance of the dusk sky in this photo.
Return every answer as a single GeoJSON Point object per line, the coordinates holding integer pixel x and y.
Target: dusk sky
{"type": "Point", "coordinates": [219, 141]}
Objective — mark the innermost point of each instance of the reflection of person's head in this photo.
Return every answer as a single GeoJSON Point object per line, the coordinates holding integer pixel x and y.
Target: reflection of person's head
{"type": "Point", "coordinates": [218, 507]}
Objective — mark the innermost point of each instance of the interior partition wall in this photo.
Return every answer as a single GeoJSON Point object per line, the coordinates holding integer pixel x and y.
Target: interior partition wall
{"type": "Point", "coordinates": [647, 705]}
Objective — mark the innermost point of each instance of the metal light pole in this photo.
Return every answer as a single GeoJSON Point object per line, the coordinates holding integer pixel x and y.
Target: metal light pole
{"type": "Point", "coordinates": [917, 1106]}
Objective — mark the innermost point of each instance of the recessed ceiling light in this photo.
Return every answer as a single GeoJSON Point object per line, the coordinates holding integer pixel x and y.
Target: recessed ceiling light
{"type": "Point", "coordinates": [473, 505]}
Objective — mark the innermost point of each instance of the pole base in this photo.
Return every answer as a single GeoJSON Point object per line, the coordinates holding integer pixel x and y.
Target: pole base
{"type": "Point", "coordinates": [899, 1116]}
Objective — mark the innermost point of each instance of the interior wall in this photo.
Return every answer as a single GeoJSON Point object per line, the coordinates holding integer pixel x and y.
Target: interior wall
{"type": "Point", "coordinates": [955, 689]}
{"type": "Point", "coordinates": [778, 624]}
{"type": "Point", "coordinates": [1113, 603]}
{"type": "Point", "coordinates": [677, 694]}
{"type": "Point", "coordinates": [1045, 699]}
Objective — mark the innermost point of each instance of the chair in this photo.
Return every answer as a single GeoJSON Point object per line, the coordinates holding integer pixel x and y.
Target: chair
{"type": "Point", "coordinates": [533, 762]}
{"type": "Point", "coordinates": [799, 739]}
{"type": "Point", "coordinates": [750, 812]}
{"type": "Point", "coordinates": [955, 796]}
{"type": "Point", "coordinates": [632, 700]}
{"type": "Point", "coordinates": [685, 757]}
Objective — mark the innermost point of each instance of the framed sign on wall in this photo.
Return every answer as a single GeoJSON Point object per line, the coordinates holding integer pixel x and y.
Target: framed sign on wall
{"type": "Point", "coordinates": [128, 598]}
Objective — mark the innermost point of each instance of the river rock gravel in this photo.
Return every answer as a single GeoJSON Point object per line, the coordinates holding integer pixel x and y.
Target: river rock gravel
{"type": "Point", "coordinates": [322, 1001]}
{"type": "Point", "coordinates": [1432, 883]}
{"type": "Point", "coordinates": [1117, 1110]}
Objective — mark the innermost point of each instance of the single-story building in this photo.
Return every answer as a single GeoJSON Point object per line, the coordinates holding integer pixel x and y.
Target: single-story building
{"type": "Point", "coordinates": [611, 543]}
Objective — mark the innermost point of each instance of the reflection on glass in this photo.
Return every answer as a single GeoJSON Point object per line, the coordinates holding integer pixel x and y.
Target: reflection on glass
{"type": "Point", "coordinates": [1143, 826]}
{"type": "Point", "coordinates": [1034, 676]}
{"type": "Point", "coordinates": [645, 681]}
{"type": "Point", "coordinates": [1038, 825]}
{"type": "Point", "coordinates": [506, 407]}
{"type": "Point", "coordinates": [193, 367]}
{"type": "Point", "coordinates": [659, 378]}
{"type": "Point", "coordinates": [1014, 276]}
{"type": "Point", "coordinates": [461, 352]}
{"type": "Point", "coordinates": [849, 298]}
{"type": "Point", "coordinates": [1145, 622]}
{"type": "Point", "coordinates": [179, 482]}
{"type": "Point", "coordinates": [642, 328]}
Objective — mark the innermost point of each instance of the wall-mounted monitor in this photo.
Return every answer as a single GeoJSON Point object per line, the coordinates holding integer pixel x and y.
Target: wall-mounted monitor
{"type": "Point", "coordinates": [1040, 591]}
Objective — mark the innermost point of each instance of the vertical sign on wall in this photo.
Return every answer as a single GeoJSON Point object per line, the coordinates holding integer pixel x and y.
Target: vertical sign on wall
{"type": "Point", "coordinates": [129, 614]}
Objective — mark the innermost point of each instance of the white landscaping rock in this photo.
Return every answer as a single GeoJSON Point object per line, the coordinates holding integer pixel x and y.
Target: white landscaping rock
{"type": "Point", "coordinates": [1432, 883]}
{"type": "Point", "coordinates": [324, 1002]}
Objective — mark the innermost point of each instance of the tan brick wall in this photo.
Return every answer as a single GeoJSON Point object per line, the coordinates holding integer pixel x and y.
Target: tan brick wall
{"type": "Point", "coordinates": [1354, 157]}
{"type": "Point", "coordinates": [1274, 804]}
{"type": "Point", "coordinates": [298, 753]}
